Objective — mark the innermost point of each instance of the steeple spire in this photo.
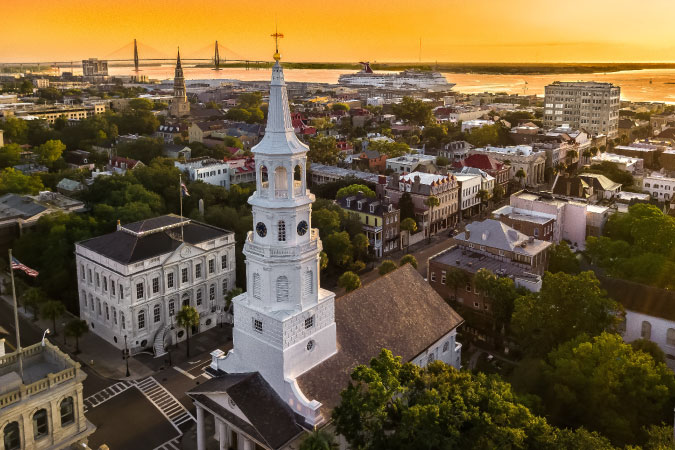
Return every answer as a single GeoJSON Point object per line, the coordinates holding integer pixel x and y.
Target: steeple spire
{"type": "Point", "coordinates": [178, 59]}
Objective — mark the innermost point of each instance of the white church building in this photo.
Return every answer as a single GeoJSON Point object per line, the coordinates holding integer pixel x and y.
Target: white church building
{"type": "Point", "coordinates": [294, 343]}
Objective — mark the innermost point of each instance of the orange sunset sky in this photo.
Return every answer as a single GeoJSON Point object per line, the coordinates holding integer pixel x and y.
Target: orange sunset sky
{"type": "Point", "coordinates": [346, 30]}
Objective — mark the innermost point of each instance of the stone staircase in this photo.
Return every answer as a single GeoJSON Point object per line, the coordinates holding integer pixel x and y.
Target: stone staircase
{"type": "Point", "coordinates": [158, 343]}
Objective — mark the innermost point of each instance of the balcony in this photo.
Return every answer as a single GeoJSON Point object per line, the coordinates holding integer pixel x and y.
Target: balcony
{"type": "Point", "coordinates": [43, 368]}
{"type": "Point", "coordinates": [267, 251]}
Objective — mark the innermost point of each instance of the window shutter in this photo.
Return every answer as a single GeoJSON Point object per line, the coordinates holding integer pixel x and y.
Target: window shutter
{"type": "Point", "coordinates": [309, 283]}
{"type": "Point", "coordinates": [282, 289]}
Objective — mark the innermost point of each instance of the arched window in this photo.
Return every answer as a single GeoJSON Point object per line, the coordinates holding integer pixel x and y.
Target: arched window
{"type": "Point", "coordinates": [224, 286]}
{"type": "Point", "coordinates": [212, 292]}
{"type": "Point", "coordinates": [263, 174]}
{"type": "Point", "coordinates": [107, 311]}
{"type": "Point", "coordinates": [11, 436]}
{"type": "Point", "coordinates": [155, 313]}
{"type": "Point", "coordinates": [282, 230]}
{"type": "Point", "coordinates": [67, 411]}
{"type": "Point", "coordinates": [282, 289]}
{"type": "Point", "coordinates": [84, 296]}
{"type": "Point", "coordinates": [124, 324]}
{"type": "Point", "coordinates": [40, 424]}
{"type": "Point", "coordinates": [446, 346]}
{"type": "Point", "coordinates": [280, 182]}
{"type": "Point", "coordinates": [141, 320]}
{"type": "Point", "coordinates": [172, 308]}
{"type": "Point", "coordinates": [309, 282]}
{"type": "Point", "coordinates": [256, 285]}
{"type": "Point", "coordinates": [430, 358]}
{"type": "Point", "coordinates": [91, 302]}
{"type": "Point", "coordinates": [114, 315]}
{"type": "Point", "coordinates": [670, 336]}
{"type": "Point", "coordinates": [646, 332]}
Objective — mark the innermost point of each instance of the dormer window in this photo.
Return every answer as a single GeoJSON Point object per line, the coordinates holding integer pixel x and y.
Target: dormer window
{"type": "Point", "coordinates": [349, 202]}
{"type": "Point", "coordinates": [372, 209]}
{"type": "Point", "coordinates": [359, 205]}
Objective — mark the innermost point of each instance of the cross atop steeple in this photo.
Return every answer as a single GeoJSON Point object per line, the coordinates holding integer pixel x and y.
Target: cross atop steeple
{"type": "Point", "coordinates": [276, 37]}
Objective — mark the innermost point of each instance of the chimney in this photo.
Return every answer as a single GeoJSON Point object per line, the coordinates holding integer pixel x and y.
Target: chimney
{"type": "Point", "coordinates": [119, 227]}
{"type": "Point", "coordinates": [467, 233]}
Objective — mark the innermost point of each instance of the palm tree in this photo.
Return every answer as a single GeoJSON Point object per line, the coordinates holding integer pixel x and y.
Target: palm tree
{"type": "Point", "coordinates": [484, 196]}
{"type": "Point", "coordinates": [32, 298]}
{"type": "Point", "coordinates": [187, 318]}
{"type": "Point", "coordinates": [318, 440]}
{"type": "Point", "coordinates": [432, 201]}
{"type": "Point", "coordinates": [587, 155]}
{"type": "Point", "coordinates": [521, 175]}
{"type": "Point", "coordinates": [408, 224]}
{"type": "Point", "coordinates": [76, 328]}
{"type": "Point", "coordinates": [52, 309]}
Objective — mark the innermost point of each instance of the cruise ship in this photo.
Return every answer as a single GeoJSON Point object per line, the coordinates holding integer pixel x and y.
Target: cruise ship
{"type": "Point", "coordinates": [408, 79]}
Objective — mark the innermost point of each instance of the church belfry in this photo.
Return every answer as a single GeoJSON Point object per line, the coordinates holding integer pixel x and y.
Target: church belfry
{"type": "Point", "coordinates": [284, 324]}
{"type": "Point", "coordinates": [179, 105]}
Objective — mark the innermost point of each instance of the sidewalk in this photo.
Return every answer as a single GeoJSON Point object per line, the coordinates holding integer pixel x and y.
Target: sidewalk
{"type": "Point", "coordinates": [102, 357]}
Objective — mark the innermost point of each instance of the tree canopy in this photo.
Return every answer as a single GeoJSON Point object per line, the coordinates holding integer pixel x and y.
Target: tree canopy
{"type": "Point", "coordinates": [355, 189]}
{"type": "Point", "coordinates": [393, 405]}
{"type": "Point", "coordinates": [566, 307]}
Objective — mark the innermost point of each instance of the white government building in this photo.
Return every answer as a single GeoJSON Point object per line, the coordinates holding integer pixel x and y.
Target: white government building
{"type": "Point", "coordinates": [294, 343]}
{"type": "Point", "coordinates": [132, 282]}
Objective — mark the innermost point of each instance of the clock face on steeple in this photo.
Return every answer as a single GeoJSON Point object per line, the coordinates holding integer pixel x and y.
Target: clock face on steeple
{"type": "Point", "coordinates": [302, 228]}
{"type": "Point", "coordinates": [261, 229]}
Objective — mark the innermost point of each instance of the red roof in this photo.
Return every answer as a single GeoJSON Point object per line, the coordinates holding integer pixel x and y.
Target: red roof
{"type": "Point", "coordinates": [478, 161]}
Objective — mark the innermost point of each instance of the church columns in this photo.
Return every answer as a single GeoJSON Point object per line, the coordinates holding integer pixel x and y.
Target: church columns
{"type": "Point", "coordinates": [248, 444]}
{"type": "Point", "coordinates": [201, 439]}
{"type": "Point", "coordinates": [222, 435]}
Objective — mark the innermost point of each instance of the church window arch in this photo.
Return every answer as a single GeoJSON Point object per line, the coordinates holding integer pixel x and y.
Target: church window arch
{"type": "Point", "coordinates": [280, 182]}
{"type": "Point", "coordinates": [646, 332]}
{"type": "Point", "coordinates": [282, 288]}
{"type": "Point", "coordinates": [281, 231]}
{"type": "Point", "coordinates": [256, 285]}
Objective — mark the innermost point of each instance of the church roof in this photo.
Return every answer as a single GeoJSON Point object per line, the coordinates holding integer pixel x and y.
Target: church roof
{"type": "Point", "coordinates": [399, 311]}
{"type": "Point", "coordinates": [272, 422]}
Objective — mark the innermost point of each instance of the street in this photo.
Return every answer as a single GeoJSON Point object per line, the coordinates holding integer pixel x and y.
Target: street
{"type": "Point", "coordinates": [153, 412]}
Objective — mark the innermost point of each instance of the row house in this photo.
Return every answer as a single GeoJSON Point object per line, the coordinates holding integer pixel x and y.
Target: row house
{"type": "Point", "coordinates": [485, 163]}
{"type": "Point", "coordinates": [380, 221]}
{"type": "Point", "coordinates": [421, 186]}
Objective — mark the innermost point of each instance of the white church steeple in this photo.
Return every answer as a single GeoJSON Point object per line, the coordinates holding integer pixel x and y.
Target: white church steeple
{"type": "Point", "coordinates": [284, 323]}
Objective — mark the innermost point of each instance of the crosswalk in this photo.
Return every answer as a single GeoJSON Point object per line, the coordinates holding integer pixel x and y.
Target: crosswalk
{"type": "Point", "coordinates": [106, 394]}
{"type": "Point", "coordinates": [167, 404]}
{"type": "Point", "coordinates": [173, 444]}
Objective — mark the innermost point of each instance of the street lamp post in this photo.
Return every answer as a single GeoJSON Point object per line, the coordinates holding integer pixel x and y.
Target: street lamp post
{"type": "Point", "coordinates": [126, 354]}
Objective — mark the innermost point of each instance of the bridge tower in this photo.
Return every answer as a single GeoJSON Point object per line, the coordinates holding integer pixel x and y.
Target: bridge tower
{"type": "Point", "coordinates": [135, 56]}
{"type": "Point", "coordinates": [216, 57]}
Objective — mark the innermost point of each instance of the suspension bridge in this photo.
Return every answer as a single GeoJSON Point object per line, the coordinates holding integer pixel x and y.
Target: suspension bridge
{"type": "Point", "coordinates": [130, 54]}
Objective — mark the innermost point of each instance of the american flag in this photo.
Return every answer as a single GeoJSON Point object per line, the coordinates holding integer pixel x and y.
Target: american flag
{"type": "Point", "coordinates": [183, 190]}
{"type": "Point", "coordinates": [17, 265]}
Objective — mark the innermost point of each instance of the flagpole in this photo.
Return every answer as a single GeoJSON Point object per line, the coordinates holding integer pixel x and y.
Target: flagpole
{"type": "Point", "coordinates": [16, 317]}
{"type": "Point", "coordinates": [180, 193]}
